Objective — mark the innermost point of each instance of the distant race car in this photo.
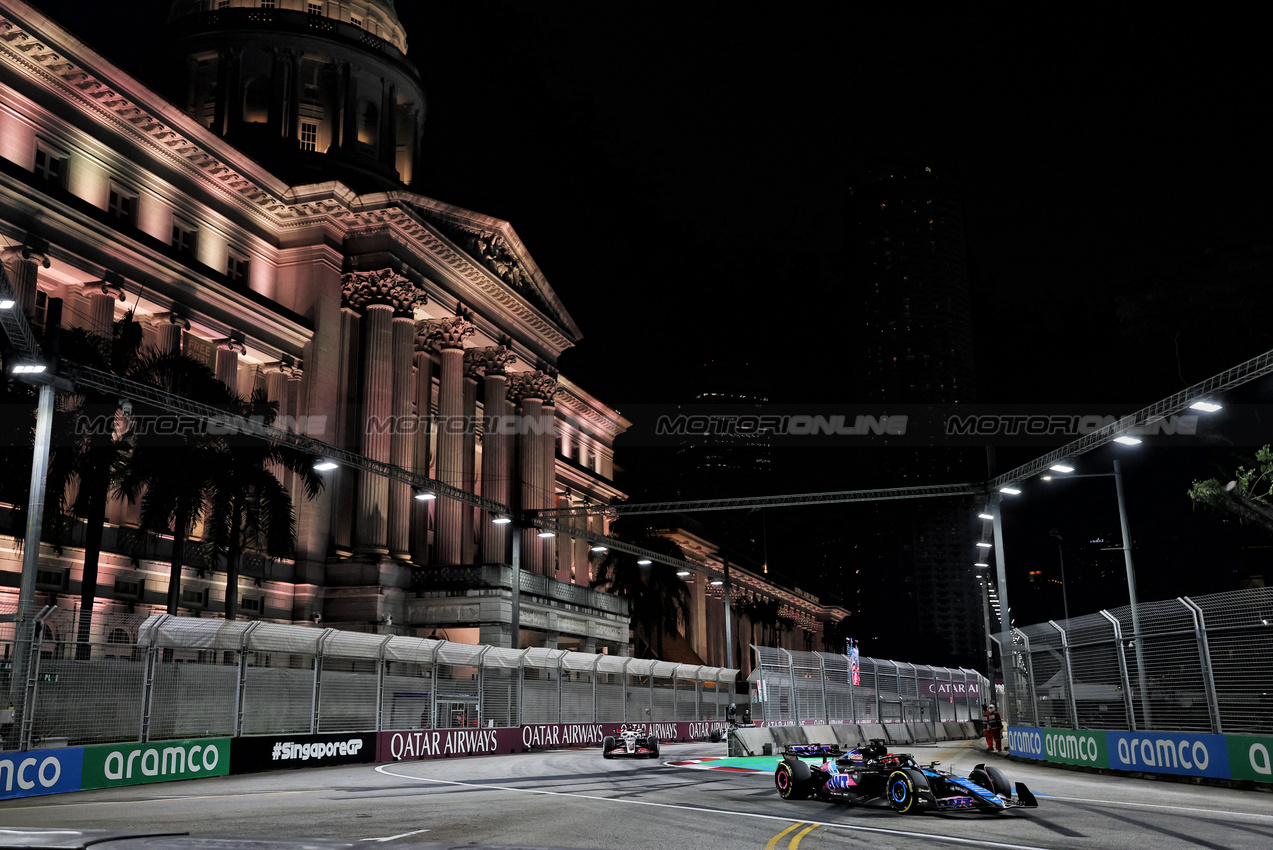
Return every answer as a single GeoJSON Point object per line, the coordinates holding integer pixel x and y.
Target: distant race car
{"type": "Point", "coordinates": [871, 773]}
{"type": "Point", "coordinates": [629, 743]}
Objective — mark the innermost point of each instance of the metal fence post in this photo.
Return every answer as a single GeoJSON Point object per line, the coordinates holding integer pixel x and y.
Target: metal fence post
{"type": "Point", "coordinates": [148, 684]}
{"type": "Point", "coordinates": [560, 672]}
{"type": "Point", "coordinates": [651, 714]}
{"type": "Point", "coordinates": [791, 673]}
{"type": "Point", "coordinates": [1128, 704]}
{"type": "Point", "coordinates": [596, 665]}
{"type": "Point", "coordinates": [241, 679]}
{"type": "Point", "coordinates": [481, 686]}
{"type": "Point", "coordinates": [624, 680]}
{"type": "Point", "coordinates": [1204, 655]}
{"type": "Point", "coordinates": [318, 680]}
{"type": "Point", "coordinates": [675, 716]}
{"type": "Point", "coordinates": [380, 683]}
{"type": "Point", "coordinates": [32, 685]}
{"type": "Point", "coordinates": [879, 711]}
{"type": "Point", "coordinates": [1029, 669]}
{"type": "Point", "coordinates": [1069, 676]}
{"type": "Point", "coordinates": [433, 694]}
{"type": "Point", "coordinates": [822, 673]}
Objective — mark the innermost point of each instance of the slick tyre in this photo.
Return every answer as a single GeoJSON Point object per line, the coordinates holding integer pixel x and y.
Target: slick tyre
{"type": "Point", "coordinates": [999, 782]}
{"type": "Point", "coordinates": [607, 744]}
{"type": "Point", "coordinates": [788, 787]}
{"type": "Point", "coordinates": [652, 744]}
{"type": "Point", "coordinates": [901, 793]}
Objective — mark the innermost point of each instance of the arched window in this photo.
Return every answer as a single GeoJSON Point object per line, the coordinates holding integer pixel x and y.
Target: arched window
{"type": "Point", "coordinates": [368, 123]}
{"type": "Point", "coordinates": [256, 100]}
{"type": "Point", "coordinates": [119, 644]}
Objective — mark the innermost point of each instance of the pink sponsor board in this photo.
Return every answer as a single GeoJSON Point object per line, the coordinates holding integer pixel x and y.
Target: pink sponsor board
{"type": "Point", "coordinates": [415, 744]}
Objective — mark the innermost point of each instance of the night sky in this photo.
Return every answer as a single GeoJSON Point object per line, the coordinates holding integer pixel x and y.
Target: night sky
{"type": "Point", "coordinates": [680, 175]}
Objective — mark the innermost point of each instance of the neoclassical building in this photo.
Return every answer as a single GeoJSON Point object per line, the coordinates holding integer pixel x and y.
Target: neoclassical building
{"type": "Point", "coordinates": [261, 218]}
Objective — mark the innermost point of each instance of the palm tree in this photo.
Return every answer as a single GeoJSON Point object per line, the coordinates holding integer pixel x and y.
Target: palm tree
{"type": "Point", "coordinates": [84, 459]}
{"type": "Point", "coordinates": [248, 508]}
{"type": "Point", "coordinates": [172, 475]}
{"type": "Point", "coordinates": [658, 599]}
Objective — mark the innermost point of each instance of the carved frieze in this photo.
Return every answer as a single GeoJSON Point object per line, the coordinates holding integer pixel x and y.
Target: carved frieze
{"type": "Point", "coordinates": [360, 290]}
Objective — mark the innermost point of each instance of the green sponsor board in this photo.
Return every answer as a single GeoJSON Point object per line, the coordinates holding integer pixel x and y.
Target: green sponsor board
{"type": "Point", "coordinates": [1084, 747]}
{"type": "Point", "coordinates": [163, 761]}
{"type": "Point", "coordinates": [1250, 757]}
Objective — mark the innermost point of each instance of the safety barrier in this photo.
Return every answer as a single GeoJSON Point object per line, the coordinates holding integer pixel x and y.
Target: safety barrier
{"type": "Point", "coordinates": [790, 686]}
{"type": "Point", "coordinates": [163, 678]}
{"type": "Point", "coordinates": [1199, 664]}
{"type": "Point", "coordinates": [1245, 757]}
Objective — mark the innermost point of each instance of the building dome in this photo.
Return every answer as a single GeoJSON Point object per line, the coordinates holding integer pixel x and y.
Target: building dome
{"type": "Point", "coordinates": [315, 89]}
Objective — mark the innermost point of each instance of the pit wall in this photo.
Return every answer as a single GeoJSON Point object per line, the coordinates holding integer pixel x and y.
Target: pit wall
{"type": "Point", "coordinates": [1241, 757]}
{"type": "Point", "coordinates": [752, 740]}
{"type": "Point", "coordinates": [56, 771]}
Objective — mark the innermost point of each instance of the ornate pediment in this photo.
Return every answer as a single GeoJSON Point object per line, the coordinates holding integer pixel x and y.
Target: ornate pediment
{"type": "Point", "coordinates": [488, 243]}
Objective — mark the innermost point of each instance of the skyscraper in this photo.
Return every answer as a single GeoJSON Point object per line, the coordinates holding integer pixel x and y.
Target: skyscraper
{"type": "Point", "coordinates": [909, 279]}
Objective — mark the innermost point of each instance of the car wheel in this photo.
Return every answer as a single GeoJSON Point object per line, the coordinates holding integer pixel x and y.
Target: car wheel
{"type": "Point", "coordinates": [652, 743]}
{"type": "Point", "coordinates": [607, 744]}
{"type": "Point", "coordinates": [901, 793]}
{"type": "Point", "coordinates": [999, 782]}
{"type": "Point", "coordinates": [788, 787]}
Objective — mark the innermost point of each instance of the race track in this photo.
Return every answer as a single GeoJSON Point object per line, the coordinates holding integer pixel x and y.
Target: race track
{"type": "Point", "coordinates": [574, 798]}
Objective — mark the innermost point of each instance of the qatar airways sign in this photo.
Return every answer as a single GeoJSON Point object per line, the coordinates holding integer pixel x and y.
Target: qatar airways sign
{"type": "Point", "coordinates": [415, 744]}
{"type": "Point", "coordinates": [953, 689]}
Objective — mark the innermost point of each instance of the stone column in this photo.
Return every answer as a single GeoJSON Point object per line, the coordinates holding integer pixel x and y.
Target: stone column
{"type": "Point", "coordinates": [102, 296]}
{"type": "Point", "coordinates": [347, 426]}
{"type": "Point", "coordinates": [496, 474]}
{"type": "Point", "coordinates": [23, 267]}
{"type": "Point", "coordinates": [423, 395]}
{"type": "Point", "coordinates": [228, 351]}
{"type": "Point", "coordinates": [402, 440]}
{"type": "Point", "coordinates": [447, 336]}
{"type": "Point", "coordinates": [529, 409]}
{"type": "Point", "coordinates": [535, 390]}
{"type": "Point", "coordinates": [472, 374]}
{"type": "Point", "coordinates": [698, 615]}
{"type": "Point", "coordinates": [168, 328]}
{"type": "Point", "coordinates": [548, 487]}
{"type": "Point", "coordinates": [378, 295]}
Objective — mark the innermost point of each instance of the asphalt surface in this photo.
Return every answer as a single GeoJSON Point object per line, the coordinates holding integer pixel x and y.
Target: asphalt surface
{"type": "Point", "coordinates": [574, 798]}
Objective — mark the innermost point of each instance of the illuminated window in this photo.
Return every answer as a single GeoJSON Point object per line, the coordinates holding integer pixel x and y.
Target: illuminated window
{"type": "Point", "coordinates": [49, 166]}
{"type": "Point", "coordinates": [183, 236]}
{"type": "Point", "coordinates": [122, 204]}
{"type": "Point", "coordinates": [309, 136]}
{"type": "Point", "coordinates": [237, 268]}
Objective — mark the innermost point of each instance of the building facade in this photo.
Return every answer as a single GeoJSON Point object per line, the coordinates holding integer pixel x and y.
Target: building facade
{"type": "Point", "coordinates": [264, 221]}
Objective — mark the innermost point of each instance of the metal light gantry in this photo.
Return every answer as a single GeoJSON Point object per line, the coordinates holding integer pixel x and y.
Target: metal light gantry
{"type": "Point", "coordinates": [787, 500]}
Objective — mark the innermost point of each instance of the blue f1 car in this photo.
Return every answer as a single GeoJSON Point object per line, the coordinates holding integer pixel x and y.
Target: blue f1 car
{"type": "Point", "coordinates": [870, 773]}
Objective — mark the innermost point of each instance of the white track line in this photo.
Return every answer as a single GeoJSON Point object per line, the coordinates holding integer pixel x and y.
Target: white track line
{"type": "Point", "coordinates": [1190, 809]}
{"type": "Point", "coordinates": [976, 842]}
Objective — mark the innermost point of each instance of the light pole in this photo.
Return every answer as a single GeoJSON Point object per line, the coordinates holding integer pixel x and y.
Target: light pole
{"type": "Point", "coordinates": [1133, 603]}
{"type": "Point", "coordinates": [1065, 599]}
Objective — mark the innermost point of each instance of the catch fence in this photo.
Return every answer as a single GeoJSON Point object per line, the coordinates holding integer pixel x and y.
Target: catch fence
{"type": "Point", "coordinates": [797, 687]}
{"type": "Point", "coordinates": [157, 678]}
{"type": "Point", "coordinates": [1201, 664]}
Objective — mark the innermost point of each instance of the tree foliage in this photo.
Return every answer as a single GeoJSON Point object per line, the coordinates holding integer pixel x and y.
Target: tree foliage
{"type": "Point", "coordinates": [658, 599]}
{"type": "Point", "coordinates": [1248, 495]}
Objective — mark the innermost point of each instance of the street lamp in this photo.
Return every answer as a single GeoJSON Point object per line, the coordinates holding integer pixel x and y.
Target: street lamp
{"type": "Point", "coordinates": [1117, 475]}
{"type": "Point", "coordinates": [1065, 601]}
